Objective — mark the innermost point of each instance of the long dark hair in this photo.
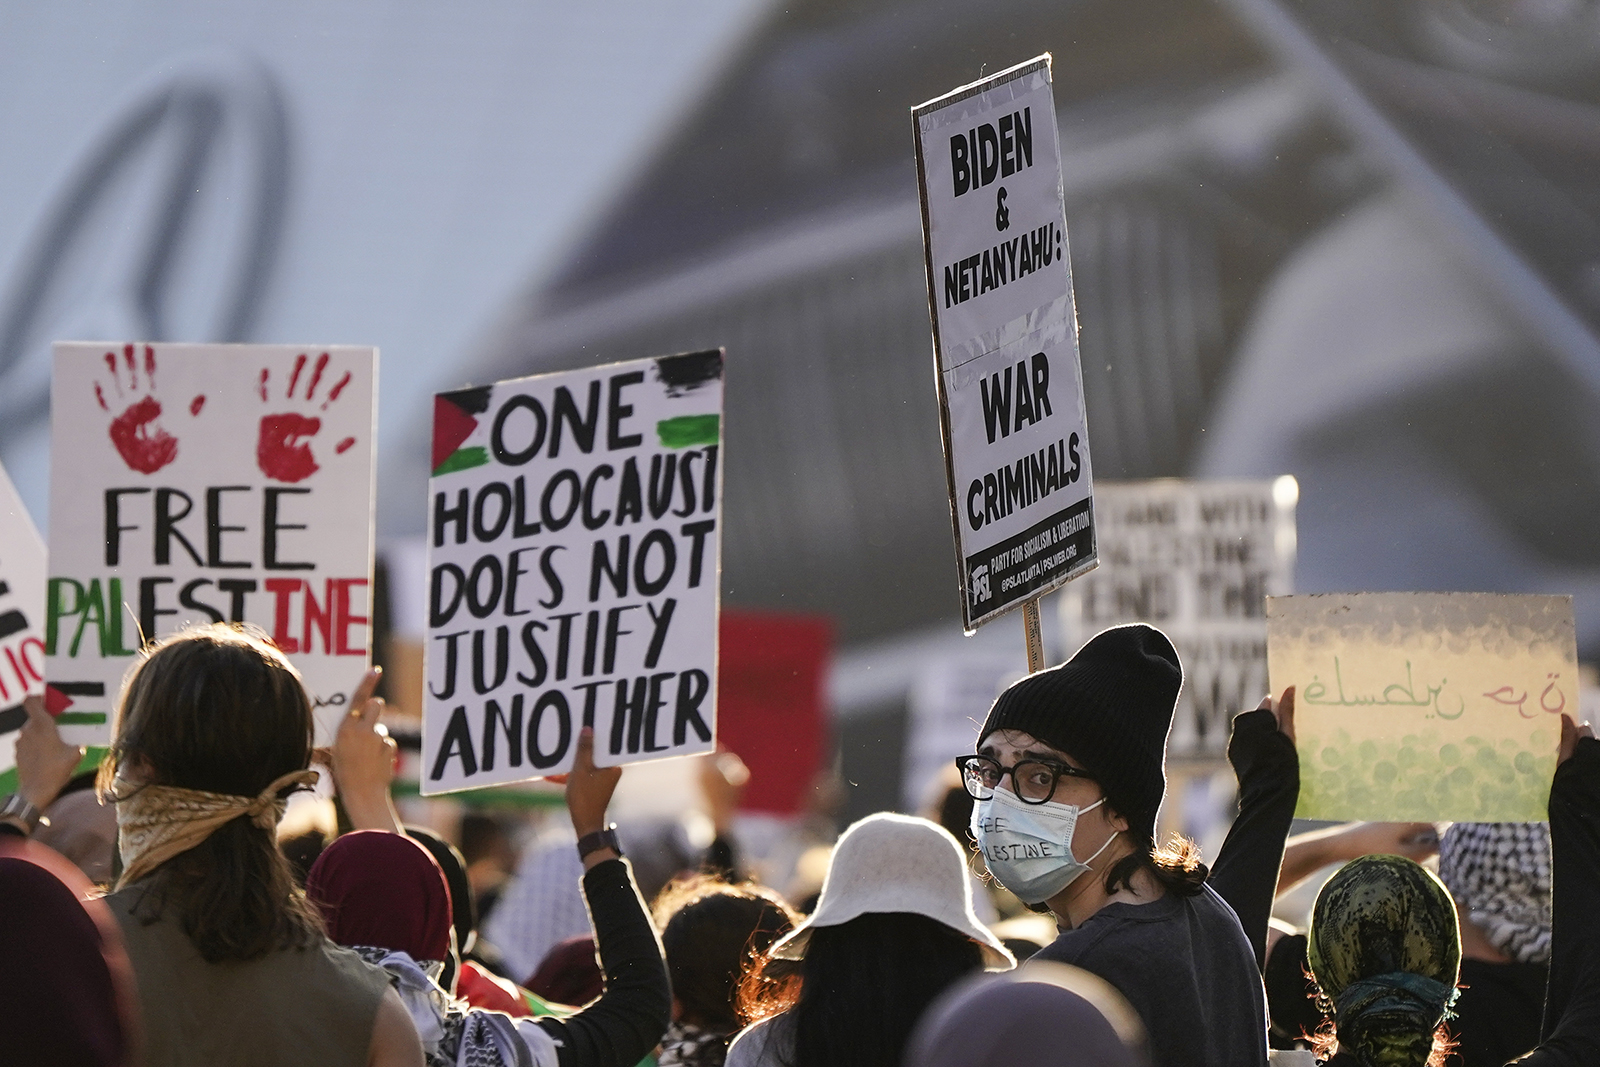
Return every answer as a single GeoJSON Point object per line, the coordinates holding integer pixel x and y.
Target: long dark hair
{"type": "Point", "coordinates": [712, 933]}
{"type": "Point", "coordinates": [219, 709]}
{"type": "Point", "coordinates": [862, 986]}
{"type": "Point", "coordinates": [1175, 866]}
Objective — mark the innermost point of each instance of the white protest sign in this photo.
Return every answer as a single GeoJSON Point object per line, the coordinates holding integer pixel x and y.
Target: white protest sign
{"type": "Point", "coordinates": [573, 562]}
{"type": "Point", "coordinates": [1196, 559]}
{"type": "Point", "coordinates": [1005, 339]}
{"type": "Point", "coordinates": [947, 706]}
{"type": "Point", "coordinates": [207, 483]}
{"type": "Point", "coordinates": [22, 570]}
{"type": "Point", "coordinates": [1425, 706]}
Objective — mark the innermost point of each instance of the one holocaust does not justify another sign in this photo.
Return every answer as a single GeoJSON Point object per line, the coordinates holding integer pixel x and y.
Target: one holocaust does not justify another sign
{"type": "Point", "coordinates": [573, 570]}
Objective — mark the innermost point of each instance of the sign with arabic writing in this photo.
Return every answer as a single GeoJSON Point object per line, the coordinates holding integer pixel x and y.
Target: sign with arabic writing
{"type": "Point", "coordinates": [1005, 339]}
{"type": "Point", "coordinates": [1425, 706]}
{"type": "Point", "coordinates": [207, 483]}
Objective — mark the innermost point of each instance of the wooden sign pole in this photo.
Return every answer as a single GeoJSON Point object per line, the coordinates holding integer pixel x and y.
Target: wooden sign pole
{"type": "Point", "coordinates": [1035, 639]}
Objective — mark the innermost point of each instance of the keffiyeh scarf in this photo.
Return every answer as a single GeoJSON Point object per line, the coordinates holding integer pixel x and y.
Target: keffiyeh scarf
{"type": "Point", "coordinates": [453, 1034]}
{"type": "Point", "coordinates": [1499, 873]}
{"type": "Point", "coordinates": [687, 1045]}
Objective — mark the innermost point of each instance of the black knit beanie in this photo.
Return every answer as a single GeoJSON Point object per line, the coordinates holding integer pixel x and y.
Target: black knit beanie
{"type": "Point", "coordinates": [1110, 708]}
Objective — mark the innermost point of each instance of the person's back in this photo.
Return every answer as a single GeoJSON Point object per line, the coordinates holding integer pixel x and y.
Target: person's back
{"type": "Point", "coordinates": [713, 933]}
{"type": "Point", "coordinates": [311, 1004]}
{"type": "Point", "coordinates": [893, 929]}
{"type": "Point", "coordinates": [1499, 877]}
{"type": "Point", "coordinates": [213, 731]}
{"type": "Point", "coordinates": [1176, 958]}
{"type": "Point", "coordinates": [1498, 1012]}
{"type": "Point", "coordinates": [66, 991]}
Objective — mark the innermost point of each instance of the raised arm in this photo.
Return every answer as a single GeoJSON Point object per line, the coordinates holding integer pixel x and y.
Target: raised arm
{"type": "Point", "coordinates": [1264, 759]}
{"type": "Point", "coordinates": [620, 1028]}
{"type": "Point", "coordinates": [362, 761]}
{"type": "Point", "coordinates": [1571, 1031]}
{"type": "Point", "coordinates": [1308, 853]}
{"type": "Point", "coordinates": [45, 763]}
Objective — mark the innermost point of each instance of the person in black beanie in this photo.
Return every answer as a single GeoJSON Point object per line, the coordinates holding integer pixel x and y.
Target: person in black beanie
{"type": "Point", "coordinates": [1068, 777]}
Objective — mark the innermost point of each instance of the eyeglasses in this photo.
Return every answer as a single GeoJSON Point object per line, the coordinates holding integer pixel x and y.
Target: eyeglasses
{"type": "Point", "coordinates": [1034, 781]}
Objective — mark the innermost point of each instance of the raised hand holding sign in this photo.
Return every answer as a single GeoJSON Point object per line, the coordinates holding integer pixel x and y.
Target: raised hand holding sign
{"type": "Point", "coordinates": [1425, 706]}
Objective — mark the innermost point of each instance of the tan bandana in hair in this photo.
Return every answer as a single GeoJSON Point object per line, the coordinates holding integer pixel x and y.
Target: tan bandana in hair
{"type": "Point", "coordinates": [156, 822]}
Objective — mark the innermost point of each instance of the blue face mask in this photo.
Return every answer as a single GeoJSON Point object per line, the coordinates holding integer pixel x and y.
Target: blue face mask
{"type": "Point", "coordinates": [1028, 847]}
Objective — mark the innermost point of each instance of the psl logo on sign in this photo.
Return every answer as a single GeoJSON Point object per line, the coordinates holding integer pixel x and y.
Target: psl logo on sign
{"type": "Point", "coordinates": [207, 483]}
{"type": "Point", "coordinates": [573, 561]}
{"type": "Point", "coordinates": [980, 585]}
{"type": "Point", "coordinates": [21, 601]}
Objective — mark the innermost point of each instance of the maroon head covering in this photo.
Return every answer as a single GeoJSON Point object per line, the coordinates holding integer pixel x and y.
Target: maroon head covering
{"type": "Point", "coordinates": [382, 890]}
{"type": "Point", "coordinates": [66, 990]}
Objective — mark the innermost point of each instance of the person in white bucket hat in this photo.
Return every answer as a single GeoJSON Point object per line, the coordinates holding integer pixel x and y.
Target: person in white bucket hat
{"type": "Point", "coordinates": [893, 929]}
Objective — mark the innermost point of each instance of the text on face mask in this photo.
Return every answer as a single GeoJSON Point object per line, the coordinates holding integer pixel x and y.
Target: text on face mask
{"type": "Point", "coordinates": [1021, 850]}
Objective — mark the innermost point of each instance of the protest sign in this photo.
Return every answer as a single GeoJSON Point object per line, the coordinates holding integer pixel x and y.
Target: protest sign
{"type": "Point", "coordinates": [1005, 340]}
{"type": "Point", "coordinates": [1425, 706]}
{"type": "Point", "coordinates": [573, 562]}
{"type": "Point", "coordinates": [772, 704]}
{"type": "Point", "coordinates": [207, 483]}
{"type": "Point", "coordinates": [22, 570]}
{"type": "Point", "coordinates": [946, 707]}
{"type": "Point", "coordinates": [1196, 559]}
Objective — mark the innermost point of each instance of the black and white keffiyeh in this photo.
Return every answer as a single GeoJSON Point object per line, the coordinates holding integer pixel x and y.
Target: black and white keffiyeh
{"type": "Point", "coordinates": [1499, 873]}
{"type": "Point", "coordinates": [687, 1045]}
{"type": "Point", "coordinates": [454, 1034]}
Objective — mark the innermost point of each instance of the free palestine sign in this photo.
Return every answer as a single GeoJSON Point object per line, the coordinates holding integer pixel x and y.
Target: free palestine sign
{"type": "Point", "coordinates": [207, 483]}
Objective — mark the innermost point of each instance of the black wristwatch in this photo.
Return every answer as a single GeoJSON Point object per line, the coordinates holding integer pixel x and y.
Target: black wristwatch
{"type": "Point", "coordinates": [598, 840]}
{"type": "Point", "coordinates": [18, 808]}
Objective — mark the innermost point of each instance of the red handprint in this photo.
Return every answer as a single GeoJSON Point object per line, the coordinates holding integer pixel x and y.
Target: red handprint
{"type": "Point", "coordinates": [141, 442]}
{"type": "Point", "coordinates": [283, 449]}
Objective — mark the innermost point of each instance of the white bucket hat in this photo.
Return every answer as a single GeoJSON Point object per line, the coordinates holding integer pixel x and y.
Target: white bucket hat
{"type": "Point", "coordinates": [889, 863]}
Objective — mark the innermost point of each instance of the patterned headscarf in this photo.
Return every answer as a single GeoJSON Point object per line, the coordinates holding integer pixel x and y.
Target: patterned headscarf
{"type": "Point", "coordinates": [157, 822]}
{"type": "Point", "coordinates": [1385, 950]}
{"type": "Point", "coordinates": [1499, 873]}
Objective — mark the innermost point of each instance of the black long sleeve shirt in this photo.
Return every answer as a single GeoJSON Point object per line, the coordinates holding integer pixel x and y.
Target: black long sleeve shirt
{"type": "Point", "coordinates": [1571, 1031]}
{"type": "Point", "coordinates": [1247, 867]}
{"type": "Point", "coordinates": [620, 1028]}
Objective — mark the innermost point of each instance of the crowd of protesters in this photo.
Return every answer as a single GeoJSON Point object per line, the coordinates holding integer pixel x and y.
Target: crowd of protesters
{"type": "Point", "coordinates": [163, 917]}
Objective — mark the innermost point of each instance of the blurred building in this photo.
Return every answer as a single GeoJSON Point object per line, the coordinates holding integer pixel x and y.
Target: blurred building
{"type": "Point", "coordinates": [1351, 241]}
{"type": "Point", "coordinates": [1356, 241]}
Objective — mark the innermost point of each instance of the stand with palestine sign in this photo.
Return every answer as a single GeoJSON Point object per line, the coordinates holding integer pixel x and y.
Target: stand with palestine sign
{"type": "Point", "coordinates": [1005, 342]}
